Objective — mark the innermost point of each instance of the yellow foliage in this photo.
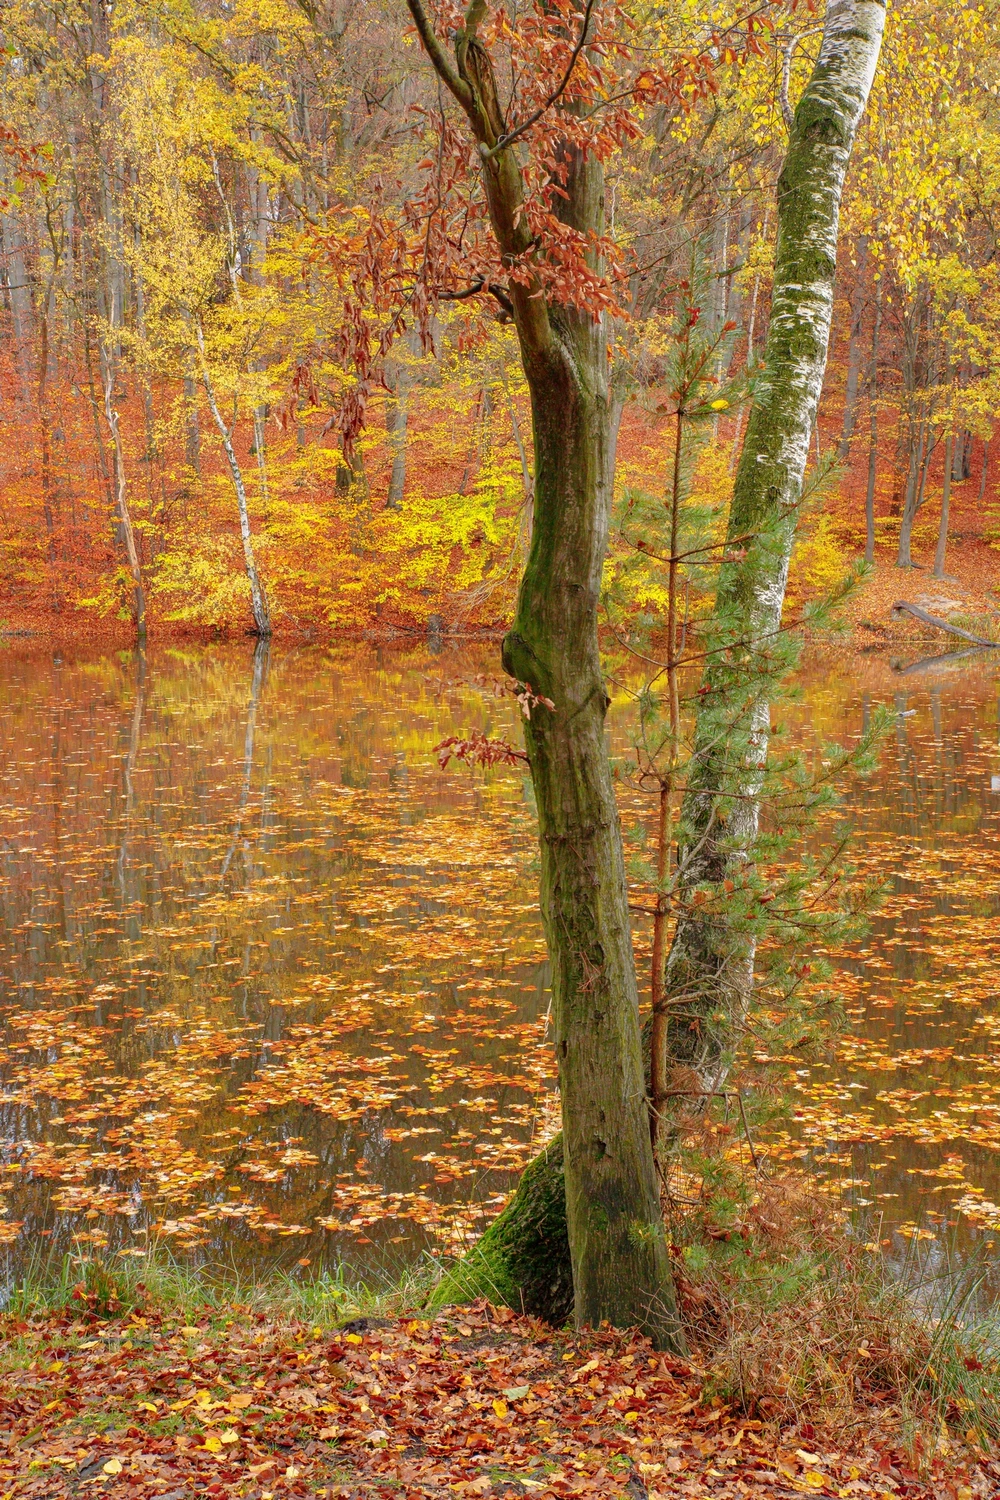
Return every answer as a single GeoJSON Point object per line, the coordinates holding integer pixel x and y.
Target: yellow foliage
{"type": "Point", "coordinates": [818, 561]}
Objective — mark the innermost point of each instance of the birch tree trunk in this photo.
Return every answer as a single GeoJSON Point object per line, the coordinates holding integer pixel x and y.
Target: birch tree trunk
{"type": "Point", "coordinates": [711, 964]}
{"type": "Point", "coordinates": [942, 543]}
{"type": "Point", "coordinates": [258, 599]}
{"type": "Point", "coordinates": [121, 498]}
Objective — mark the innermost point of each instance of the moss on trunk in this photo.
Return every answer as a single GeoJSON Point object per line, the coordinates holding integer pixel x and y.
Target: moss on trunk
{"type": "Point", "coordinates": [523, 1260]}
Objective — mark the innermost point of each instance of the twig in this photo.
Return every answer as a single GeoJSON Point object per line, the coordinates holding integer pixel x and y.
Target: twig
{"type": "Point", "coordinates": [746, 1130]}
{"type": "Point", "coordinates": [513, 135]}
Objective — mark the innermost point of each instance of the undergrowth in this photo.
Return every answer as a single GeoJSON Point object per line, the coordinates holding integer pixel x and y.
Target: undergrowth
{"type": "Point", "coordinates": [795, 1320]}
{"type": "Point", "coordinates": [791, 1320]}
{"type": "Point", "coordinates": [109, 1287]}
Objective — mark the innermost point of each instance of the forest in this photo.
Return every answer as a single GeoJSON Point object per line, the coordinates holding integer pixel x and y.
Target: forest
{"type": "Point", "coordinates": [499, 748]}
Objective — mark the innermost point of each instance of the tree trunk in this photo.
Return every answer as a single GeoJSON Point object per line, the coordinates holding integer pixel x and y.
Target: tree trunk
{"type": "Point", "coordinates": [620, 1266]}
{"type": "Point", "coordinates": [258, 599]}
{"type": "Point", "coordinates": [911, 498]}
{"type": "Point", "coordinates": [620, 1263]}
{"type": "Point", "coordinates": [397, 411]}
{"type": "Point", "coordinates": [854, 355]}
{"type": "Point", "coordinates": [711, 964]}
{"type": "Point", "coordinates": [942, 542]}
{"type": "Point", "coordinates": [873, 431]}
{"type": "Point", "coordinates": [121, 500]}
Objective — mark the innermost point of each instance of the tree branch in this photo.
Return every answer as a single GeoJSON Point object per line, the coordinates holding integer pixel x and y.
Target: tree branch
{"type": "Point", "coordinates": [480, 285]}
{"type": "Point", "coordinates": [519, 130]}
{"type": "Point", "coordinates": [787, 112]}
{"type": "Point", "coordinates": [439, 57]}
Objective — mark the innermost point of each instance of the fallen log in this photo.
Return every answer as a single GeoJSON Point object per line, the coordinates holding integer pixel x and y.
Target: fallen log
{"type": "Point", "coordinates": [902, 607]}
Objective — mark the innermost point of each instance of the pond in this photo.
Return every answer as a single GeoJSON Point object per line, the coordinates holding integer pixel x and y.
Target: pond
{"type": "Point", "coordinates": [273, 987]}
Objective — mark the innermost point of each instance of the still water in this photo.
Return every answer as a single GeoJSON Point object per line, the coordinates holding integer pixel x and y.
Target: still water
{"type": "Point", "coordinates": [273, 987]}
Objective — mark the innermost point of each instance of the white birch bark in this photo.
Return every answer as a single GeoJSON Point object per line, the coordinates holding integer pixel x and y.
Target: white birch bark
{"type": "Point", "coordinates": [258, 600]}
{"type": "Point", "coordinates": [711, 964]}
{"type": "Point", "coordinates": [109, 369]}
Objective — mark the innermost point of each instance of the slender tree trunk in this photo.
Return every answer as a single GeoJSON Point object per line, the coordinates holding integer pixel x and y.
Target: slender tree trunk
{"type": "Point", "coordinates": [854, 354]}
{"type": "Point", "coordinates": [873, 431]}
{"type": "Point", "coordinates": [397, 410]}
{"type": "Point", "coordinates": [258, 599]}
{"type": "Point", "coordinates": [621, 1266]}
{"type": "Point", "coordinates": [911, 498]}
{"type": "Point", "coordinates": [711, 964]}
{"type": "Point", "coordinates": [192, 434]}
{"type": "Point", "coordinates": [942, 542]}
{"type": "Point", "coordinates": [121, 500]}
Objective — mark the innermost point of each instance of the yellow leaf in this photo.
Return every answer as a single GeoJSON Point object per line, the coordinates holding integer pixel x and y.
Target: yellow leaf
{"type": "Point", "coordinates": [815, 1480]}
{"type": "Point", "coordinates": [631, 1416]}
{"type": "Point", "coordinates": [213, 1444]}
{"type": "Point", "coordinates": [229, 1436]}
{"type": "Point", "coordinates": [719, 405]}
{"type": "Point", "coordinates": [240, 1403]}
{"type": "Point", "coordinates": [113, 1466]}
{"type": "Point", "coordinates": [500, 1407]}
{"type": "Point", "coordinates": [353, 1338]}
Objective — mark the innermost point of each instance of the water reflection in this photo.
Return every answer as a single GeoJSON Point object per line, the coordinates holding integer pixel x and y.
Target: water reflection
{"type": "Point", "coordinates": [274, 986]}
{"type": "Point", "coordinates": [271, 982]}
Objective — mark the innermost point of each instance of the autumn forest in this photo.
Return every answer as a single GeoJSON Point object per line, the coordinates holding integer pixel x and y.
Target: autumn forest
{"type": "Point", "coordinates": [499, 748]}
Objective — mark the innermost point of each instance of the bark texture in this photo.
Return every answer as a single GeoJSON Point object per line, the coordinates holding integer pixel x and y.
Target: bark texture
{"type": "Point", "coordinates": [711, 964]}
{"type": "Point", "coordinates": [606, 1218]}
{"type": "Point", "coordinates": [620, 1263]}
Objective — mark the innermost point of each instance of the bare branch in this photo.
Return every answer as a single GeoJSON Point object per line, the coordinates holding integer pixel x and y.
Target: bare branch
{"type": "Point", "coordinates": [439, 57]}
{"type": "Point", "coordinates": [480, 285]}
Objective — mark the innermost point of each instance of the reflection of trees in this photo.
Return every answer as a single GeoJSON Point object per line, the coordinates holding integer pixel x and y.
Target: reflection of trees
{"type": "Point", "coordinates": [128, 774]}
{"type": "Point", "coordinates": [258, 677]}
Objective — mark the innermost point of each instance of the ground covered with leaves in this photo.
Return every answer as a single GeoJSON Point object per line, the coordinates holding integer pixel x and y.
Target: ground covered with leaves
{"type": "Point", "coordinates": [477, 1402]}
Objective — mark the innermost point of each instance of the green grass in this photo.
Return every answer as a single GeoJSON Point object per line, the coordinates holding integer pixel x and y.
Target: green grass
{"type": "Point", "coordinates": [119, 1285]}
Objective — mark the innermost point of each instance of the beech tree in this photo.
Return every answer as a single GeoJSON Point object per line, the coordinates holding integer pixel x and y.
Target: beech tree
{"type": "Point", "coordinates": [552, 251]}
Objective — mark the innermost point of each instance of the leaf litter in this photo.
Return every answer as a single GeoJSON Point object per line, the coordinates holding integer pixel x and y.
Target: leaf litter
{"type": "Point", "coordinates": [476, 1402]}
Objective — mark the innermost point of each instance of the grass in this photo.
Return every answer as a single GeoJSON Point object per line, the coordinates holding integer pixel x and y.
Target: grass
{"type": "Point", "coordinates": [791, 1321]}
{"type": "Point", "coordinates": [158, 1279]}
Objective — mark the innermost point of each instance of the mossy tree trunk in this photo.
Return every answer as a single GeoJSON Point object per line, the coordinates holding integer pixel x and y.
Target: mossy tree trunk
{"type": "Point", "coordinates": [617, 1245]}
{"type": "Point", "coordinates": [591, 1204]}
{"type": "Point", "coordinates": [711, 964]}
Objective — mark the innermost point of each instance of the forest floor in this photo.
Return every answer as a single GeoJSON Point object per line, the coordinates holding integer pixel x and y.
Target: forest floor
{"type": "Point", "coordinates": [478, 1402]}
{"type": "Point", "coordinates": [967, 596]}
